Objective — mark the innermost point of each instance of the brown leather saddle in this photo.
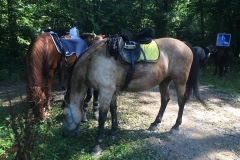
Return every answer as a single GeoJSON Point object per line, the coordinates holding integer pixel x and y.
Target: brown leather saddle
{"type": "Point", "coordinates": [126, 45]}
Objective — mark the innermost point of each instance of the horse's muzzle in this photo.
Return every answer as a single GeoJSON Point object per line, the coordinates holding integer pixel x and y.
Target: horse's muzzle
{"type": "Point", "coordinates": [67, 133]}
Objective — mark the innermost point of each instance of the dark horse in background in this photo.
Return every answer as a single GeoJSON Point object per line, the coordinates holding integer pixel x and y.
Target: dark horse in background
{"type": "Point", "coordinates": [42, 60]}
{"type": "Point", "coordinates": [222, 57]}
{"type": "Point", "coordinates": [100, 67]}
{"type": "Point", "coordinates": [202, 52]}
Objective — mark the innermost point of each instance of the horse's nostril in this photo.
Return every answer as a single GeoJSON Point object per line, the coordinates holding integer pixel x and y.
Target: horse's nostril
{"type": "Point", "coordinates": [68, 134]}
{"type": "Point", "coordinates": [63, 134]}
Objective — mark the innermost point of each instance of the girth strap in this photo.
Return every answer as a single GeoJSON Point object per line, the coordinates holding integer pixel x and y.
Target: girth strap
{"type": "Point", "coordinates": [132, 67]}
{"type": "Point", "coordinates": [128, 77]}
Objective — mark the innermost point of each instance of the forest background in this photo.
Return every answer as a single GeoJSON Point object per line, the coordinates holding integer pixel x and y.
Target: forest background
{"type": "Point", "coordinates": [196, 21]}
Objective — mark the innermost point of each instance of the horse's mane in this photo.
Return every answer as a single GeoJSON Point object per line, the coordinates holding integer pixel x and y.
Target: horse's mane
{"type": "Point", "coordinates": [82, 57]}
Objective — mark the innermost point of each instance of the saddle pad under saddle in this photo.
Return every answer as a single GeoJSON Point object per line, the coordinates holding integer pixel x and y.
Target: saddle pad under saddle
{"type": "Point", "coordinates": [70, 45]}
{"type": "Point", "coordinates": [151, 51]}
{"type": "Point", "coordinates": [74, 45]}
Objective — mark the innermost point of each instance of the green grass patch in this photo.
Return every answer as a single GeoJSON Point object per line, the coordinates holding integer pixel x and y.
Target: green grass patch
{"type": "Point", "coordinates": [130, 143]}
{"type": "Point", "coordinates": [227, 84]}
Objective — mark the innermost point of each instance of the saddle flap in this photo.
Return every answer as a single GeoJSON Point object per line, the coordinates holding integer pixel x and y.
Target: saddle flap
{"type": "Point", "coordinates": [129, 51]}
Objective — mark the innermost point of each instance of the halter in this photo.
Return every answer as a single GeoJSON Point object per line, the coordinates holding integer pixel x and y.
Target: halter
{"type": "Point", "coordinates": [73, 121]}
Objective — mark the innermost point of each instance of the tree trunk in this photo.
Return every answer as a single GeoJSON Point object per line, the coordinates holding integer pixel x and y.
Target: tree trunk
{"type": "Point", "coordinates": [202, 21]}
{"type": "Point", "coordinates": [221, 12]}
{"type": "Point", "coordinates": [12, 31]}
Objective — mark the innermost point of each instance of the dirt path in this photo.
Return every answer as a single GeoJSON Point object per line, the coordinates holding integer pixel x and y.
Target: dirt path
{"type": "Point", "coordinates": [204, 134]}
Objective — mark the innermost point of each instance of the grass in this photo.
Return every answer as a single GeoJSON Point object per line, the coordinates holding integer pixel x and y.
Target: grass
{"type": "Point", "coordinates": [228, 84]}
{"type": "Point", "coordinates": [131, 142]}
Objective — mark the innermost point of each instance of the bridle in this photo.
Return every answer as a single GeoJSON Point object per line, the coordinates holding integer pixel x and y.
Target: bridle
{"type": "Point", "coordinates": [72, 122]}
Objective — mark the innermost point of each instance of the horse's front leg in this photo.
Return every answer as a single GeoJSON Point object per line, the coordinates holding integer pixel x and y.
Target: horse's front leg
{"type": "Point", "coordinates": [48, 91]}
{"type": "Point", "coordinates": [225, 68]}
{"type": "Point", "coordinates": [113, 110]}
{"type": "Point", "coordinates": [165, 97]}
{"type": "Point", "coordinates": [105, 99]}
{"type": "Point", "coordinates": [62, 78]}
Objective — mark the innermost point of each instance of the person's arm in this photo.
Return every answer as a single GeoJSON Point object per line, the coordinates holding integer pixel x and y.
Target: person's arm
{"type": "Point", "coordinates": [78, 34]}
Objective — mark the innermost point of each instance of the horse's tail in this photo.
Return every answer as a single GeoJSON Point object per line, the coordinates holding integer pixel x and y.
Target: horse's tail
{"type": "Point", "coordinates": [192, 82]}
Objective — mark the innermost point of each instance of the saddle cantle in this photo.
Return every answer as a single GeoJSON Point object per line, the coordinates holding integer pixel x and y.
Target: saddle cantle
{"type": "Point", "coordinates": [127, 45]}
{"type": "Point", "coordinates": [143, 37]}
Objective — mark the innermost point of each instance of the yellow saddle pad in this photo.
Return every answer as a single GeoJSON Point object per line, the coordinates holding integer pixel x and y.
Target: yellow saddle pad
{"type": "Point", "coordinates": [150, 50]}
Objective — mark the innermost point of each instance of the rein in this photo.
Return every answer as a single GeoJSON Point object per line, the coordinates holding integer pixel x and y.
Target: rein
{"type": "Point", "coordinates": [73, 120]}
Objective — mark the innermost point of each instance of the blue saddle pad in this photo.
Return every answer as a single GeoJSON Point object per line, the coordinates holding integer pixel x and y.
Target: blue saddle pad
{"type": "Point", "coordinates": [73, 45]}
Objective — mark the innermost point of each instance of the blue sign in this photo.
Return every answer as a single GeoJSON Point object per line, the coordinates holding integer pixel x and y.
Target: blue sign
{"type": "Point", "coordinates": [223, 39]}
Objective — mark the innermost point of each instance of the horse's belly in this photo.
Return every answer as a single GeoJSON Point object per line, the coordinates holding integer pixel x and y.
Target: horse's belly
{"type": "Point", "coordinates": [146, 77]}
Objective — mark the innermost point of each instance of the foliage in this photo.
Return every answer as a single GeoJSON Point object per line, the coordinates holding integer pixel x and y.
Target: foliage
{"type": "Point", "coordinates": [23, 20]}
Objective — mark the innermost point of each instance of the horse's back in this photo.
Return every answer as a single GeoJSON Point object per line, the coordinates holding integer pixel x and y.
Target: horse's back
{"type": "Point", "coordinates": [42, 55]}
{"type": "Point", "coordinates": [200, 52]}
{"type": "Point", "coordinates": [174, 49]}
{"type": "Point", "coordinates": [175, 61]}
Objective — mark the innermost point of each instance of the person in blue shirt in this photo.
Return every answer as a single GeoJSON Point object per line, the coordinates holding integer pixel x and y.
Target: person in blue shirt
{"type": "Point", "coordinates": [74, 30]}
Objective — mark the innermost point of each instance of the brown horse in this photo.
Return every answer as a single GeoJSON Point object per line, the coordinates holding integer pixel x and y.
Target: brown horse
{"type": "Point", "coordinates": [96, 68]}
{"type": "Point", "coordinates": [42, 60]}
{"type": "Point", "coordinates": [222, 57]}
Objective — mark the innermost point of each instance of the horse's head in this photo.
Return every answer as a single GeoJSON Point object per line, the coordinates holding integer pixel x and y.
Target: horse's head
{"type": "Point", "coordinates": [36, 99]}
{"type": "Point", "coordinates": [212, 49]}
{"type": "Point", "coordinates": [72, 117]}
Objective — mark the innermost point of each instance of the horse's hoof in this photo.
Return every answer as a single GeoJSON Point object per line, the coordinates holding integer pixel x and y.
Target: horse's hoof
{"type": "Point", "coordinates": [95, 116]}
{"type": "Point", "coordinates": [174, 131]}
{"type": "Point", "coordinates": [152, 128]}
{"type": "Point", "coordinates": [85, 120]}
{"type": "Point", "coordinates": [96, 154]}
{"type": "Point", "coordinates": [96, 151]}
{"type": "Point", "coordinates": [112, 137]}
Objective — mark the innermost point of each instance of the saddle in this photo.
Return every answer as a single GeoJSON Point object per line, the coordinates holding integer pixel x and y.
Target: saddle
{"type": "Point", "coordinates": [127, 46]}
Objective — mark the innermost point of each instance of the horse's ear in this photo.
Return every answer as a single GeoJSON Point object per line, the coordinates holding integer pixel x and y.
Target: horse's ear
{"type": "Point", "coordinates": [65, 102]}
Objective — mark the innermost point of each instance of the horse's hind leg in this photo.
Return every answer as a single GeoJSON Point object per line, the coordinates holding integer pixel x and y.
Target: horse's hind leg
{"type": "Point", "coordinates": [181, 103]}
{"type": "Point", "coordinates": [225, 68]}
{"type": "Point", "coordinates": [165, 97]}
{"type": "Point", "coordinates": [220, 69]}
